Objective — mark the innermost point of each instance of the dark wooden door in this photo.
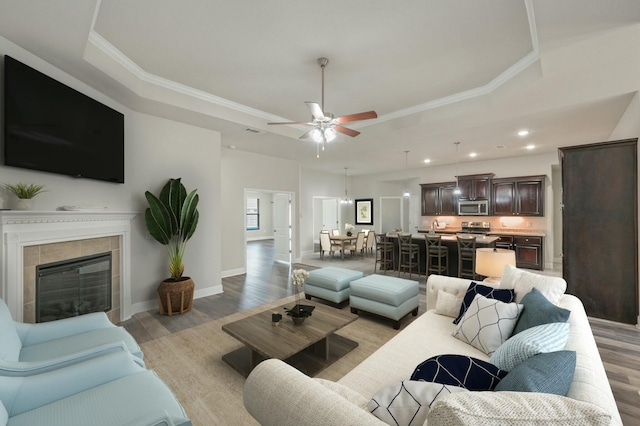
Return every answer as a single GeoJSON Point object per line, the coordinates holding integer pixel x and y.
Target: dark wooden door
{"type": "Point", "coordinates": [448, 200]}
{"type": "Point", "coordinates": [430, 199]}
{"type": "Point", "coordinates": [530, 195]}
{"type": "Point", "coordinates": [466, 189]}
{"type": "Point", "coordinates": [482, 188]}
{"type": "Point", "coordinates": [504, 198]}
{"type": "Point", "coordinates": [600, 228]}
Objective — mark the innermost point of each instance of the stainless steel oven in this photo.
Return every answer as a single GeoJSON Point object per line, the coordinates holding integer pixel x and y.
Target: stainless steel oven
{"type": "Point", "coordinates": [473, 208]}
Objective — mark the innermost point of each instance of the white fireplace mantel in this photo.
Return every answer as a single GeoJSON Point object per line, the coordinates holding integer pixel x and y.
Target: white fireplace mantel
{"type": "Point", "coordinates": [20, 229]}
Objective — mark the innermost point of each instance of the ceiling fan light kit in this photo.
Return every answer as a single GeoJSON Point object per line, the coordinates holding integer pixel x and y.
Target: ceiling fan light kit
{"type": "Point", "coordinates": [326, 126]}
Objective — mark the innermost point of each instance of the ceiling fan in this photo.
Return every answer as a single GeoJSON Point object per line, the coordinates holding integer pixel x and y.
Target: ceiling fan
{"type": "Point", "coordinates": [325, 125]}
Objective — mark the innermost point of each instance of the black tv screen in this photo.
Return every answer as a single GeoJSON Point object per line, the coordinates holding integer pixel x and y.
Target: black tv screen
{"type": "Point", "coordinates": [53, 128]}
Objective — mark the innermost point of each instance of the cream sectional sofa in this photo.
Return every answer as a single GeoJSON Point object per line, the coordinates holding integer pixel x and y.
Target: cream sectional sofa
{"type": "Point", "coordinates": [277, 394]}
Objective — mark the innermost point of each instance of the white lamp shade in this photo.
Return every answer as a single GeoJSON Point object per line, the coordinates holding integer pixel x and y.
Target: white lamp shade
{"type": "Point", "coordinates": [491, 261]}
{"type": "Point", "coordinates": [316, 135]}
{"type": "Point", "coordinates": [329, 134]}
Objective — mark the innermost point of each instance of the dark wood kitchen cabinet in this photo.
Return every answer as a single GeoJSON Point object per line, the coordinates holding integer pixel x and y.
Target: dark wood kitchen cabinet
{"type": "Point", "coordinates": [529, 250]}
{"type": "Point", "coordinates": [439, 199]}
{"type": "Point", "coordinates": [600, 227]}
{"type": "Point", "coordinates": [522, 196]}
{"type": "Point", "coordinates": [475, 187]}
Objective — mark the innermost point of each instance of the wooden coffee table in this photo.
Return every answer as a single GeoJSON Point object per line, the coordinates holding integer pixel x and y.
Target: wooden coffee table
{"type": "Point", "coordinates": [309, 347]}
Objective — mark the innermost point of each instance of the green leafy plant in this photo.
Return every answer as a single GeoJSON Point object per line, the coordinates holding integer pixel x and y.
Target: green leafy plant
{"type": "Point", "coordinates": [25, 190]}
{"type": "Point", "coordinates": [172, 219]}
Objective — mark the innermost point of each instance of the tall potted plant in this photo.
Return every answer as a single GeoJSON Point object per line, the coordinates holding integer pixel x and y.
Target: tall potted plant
{"type": "Point", "coordinates": [172, 219]}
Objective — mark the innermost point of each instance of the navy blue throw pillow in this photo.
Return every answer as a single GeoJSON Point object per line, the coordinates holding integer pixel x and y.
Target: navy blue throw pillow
{"type": "Point", "coordinates": [459, 370]}
{"type": "Point", "coordinates": [503, 295]}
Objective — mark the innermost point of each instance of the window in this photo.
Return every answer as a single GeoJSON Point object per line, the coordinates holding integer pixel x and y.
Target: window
{"type": "Point", "coordinates": [253, 214]}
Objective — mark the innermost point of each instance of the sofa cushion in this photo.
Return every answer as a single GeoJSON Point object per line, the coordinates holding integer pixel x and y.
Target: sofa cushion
{"type": "Point", "coordinates": [459, 370]}
{"type": "Point", "coordinates": [504, 295]}
{"type": "Point", "coordinates": [347, 393]}
{"type": "Point", "coordinates": [545, 373]}
{"type": "Point", "coordinates": [448, 304]}
{"type": "Point", "coordinates": [533, 341]}
{"type": "Point", "coordinates": [538, 310]}
{"type": "Point", "coordinates": [516, 408]}
{"type": "Point", "coordinates": [523, 281]}
{"type": "Point", "coordinates": [11, 343]}
{"type": "Point", "coordinates": [4, 416]}
{"type": "Point", "coordinates": [487, 323]}
{"type": "Point", "coordinates": [408, 402]}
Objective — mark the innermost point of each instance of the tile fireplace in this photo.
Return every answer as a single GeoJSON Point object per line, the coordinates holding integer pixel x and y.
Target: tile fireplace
{"type": "Point", "coordinates": [33, 238]}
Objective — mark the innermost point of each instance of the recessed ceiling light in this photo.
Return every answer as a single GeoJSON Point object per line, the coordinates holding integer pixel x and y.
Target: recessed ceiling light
{"type": "Point", "coordinates": [473, 154]}
{"type": "Point", "coordinates": [530, 146]}
{"type": "Point", "coordinates": [427, 160]}
{"type": "Point", "coordinates": [523, 133]}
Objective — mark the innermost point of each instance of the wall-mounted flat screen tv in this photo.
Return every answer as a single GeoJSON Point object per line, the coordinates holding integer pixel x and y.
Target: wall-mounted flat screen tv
{"type": "Point", "coordinates": [53, 128]}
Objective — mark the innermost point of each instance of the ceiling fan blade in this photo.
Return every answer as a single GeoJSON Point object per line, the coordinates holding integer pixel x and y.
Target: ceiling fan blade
{"type": "Point", "coordinates": [346, 131]}
{"type": "Point", "coordinates": [357, 117]}
{"type": "Point", "coordinates": [294, 122]}
{"type": "Point", "coordinates": [315, 109]}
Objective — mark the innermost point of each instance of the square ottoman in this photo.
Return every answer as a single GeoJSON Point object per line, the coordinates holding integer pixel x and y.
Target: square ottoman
{"type": "Point", "coordinates": [330, 284]}
{"type": "Point", "coordinates": [389, 297]}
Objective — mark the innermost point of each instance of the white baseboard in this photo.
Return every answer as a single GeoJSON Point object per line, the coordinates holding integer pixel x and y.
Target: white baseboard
{"type": "Point", "coordinates": [266, 237]}
{"type": "Point", "coordinates": [233, 272]}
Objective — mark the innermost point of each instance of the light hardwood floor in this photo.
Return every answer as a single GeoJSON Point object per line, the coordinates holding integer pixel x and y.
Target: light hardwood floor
{"type": "Point", "coordinates": [266, 281]}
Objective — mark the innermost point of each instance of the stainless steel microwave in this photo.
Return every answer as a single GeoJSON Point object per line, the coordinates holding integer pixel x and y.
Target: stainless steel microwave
{"type": "Point", "coordinates": [473, 208]}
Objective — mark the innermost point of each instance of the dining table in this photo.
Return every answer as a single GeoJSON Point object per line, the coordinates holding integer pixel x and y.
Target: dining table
{"type": "Point", "coordinates": [343, 241]}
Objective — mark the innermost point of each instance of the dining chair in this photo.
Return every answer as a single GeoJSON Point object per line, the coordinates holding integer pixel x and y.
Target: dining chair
{"type": "Point", "coordinates": [335, 232]}
{"type": "Point", "coordinates": [327, 245]}
{"type": "Point", "coordinates": [371, 236]}
{"type": "Point", "coordinates": [358, 246]}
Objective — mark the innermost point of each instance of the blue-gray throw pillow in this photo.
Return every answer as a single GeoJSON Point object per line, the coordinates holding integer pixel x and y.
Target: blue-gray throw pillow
{"type": "Point", "coordinates": [503, 295]}
{"type": "Point", "coordinates": [538, 311]}
{"type": "Point", "coordinates": [545, 373]}
{"type": "Point", "coordinates": [459, 370]}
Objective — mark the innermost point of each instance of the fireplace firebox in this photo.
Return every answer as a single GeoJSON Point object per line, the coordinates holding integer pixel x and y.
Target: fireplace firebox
{"type": "Point", "coordinates": [73, 287]}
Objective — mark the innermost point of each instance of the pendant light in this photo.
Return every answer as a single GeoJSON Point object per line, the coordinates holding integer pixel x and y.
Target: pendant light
{"type": "Point", "coordinates": [457, 191]}
{"type": "Point", "coordinates": [406, 192]}
{"type": "Point", "coordinates": [346, 199]}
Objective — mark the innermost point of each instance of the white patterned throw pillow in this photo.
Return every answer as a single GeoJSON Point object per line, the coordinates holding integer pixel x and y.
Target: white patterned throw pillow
{"type": "Point", "coordinates": [448, 304]}
{"type": "Point", "coordinates": [488, 323]}
{"type": "Point", "coordinates": [408, 402]}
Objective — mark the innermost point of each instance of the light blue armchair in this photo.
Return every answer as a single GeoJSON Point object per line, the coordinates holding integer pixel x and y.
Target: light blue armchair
{"type": "Point", "coordinates": [27, 349]}
{"type": "Point", "coordinates": [112, 390]}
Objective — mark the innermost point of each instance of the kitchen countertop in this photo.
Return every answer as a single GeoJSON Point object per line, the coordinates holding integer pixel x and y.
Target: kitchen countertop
{"type": "Point", "coordinates": [481, 239]}
{"type": "Point", "coordinates": [518, 231]}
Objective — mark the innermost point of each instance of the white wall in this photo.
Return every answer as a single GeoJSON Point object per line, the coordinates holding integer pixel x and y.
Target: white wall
{"type": "Point", "coordinates": [156, 149]}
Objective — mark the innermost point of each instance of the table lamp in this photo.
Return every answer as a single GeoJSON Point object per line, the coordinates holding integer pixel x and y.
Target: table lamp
{"type": "Point", "coordinates": [491, 261]}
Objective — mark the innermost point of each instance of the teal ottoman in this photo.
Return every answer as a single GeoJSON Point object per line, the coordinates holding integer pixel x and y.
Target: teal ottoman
{"type": "Point", "coordinates": [389, 297]}
{"type": "Point", "coordinates": [330, 284]}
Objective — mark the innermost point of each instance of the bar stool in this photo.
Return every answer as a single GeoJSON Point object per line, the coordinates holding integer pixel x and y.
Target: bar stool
{"type": "Point", "coordinates": [437, 255]}
{"type": "Point", "coordinates": [409, 254]}
{"type": "Point", "coordinates": [467, 257]}
{"type": "Point", "coordinates": [384, 254]}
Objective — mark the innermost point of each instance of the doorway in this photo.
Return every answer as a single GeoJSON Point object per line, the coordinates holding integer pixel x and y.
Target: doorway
{"type": "Point", "coordinates": [326, 216]}
{"type": "Point", "coordinates": [274, 236]}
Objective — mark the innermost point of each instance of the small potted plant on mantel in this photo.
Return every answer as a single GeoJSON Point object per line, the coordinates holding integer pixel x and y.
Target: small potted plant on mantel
{"type": "Point", "coordinates": [24, 193]}
{"type": "Point", "coordinates": [172, 219]}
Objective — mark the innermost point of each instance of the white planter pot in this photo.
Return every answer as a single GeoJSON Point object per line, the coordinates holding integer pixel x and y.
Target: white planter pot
{"type": "Point", "coordinates": [23, 204]}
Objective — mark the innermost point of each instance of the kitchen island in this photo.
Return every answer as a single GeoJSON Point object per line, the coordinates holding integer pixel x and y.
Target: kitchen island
{"type": "Point", "coordinates": [449, 241]}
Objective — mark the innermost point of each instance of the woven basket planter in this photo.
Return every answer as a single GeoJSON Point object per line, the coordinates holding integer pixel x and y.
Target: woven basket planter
{"type": "Point", "coordinates": [175, 297]}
